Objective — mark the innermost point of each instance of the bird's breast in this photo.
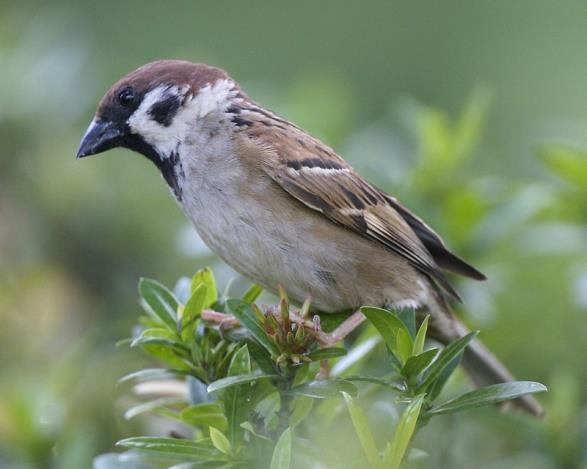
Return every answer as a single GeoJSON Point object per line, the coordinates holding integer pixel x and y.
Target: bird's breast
{"type": "Point", "coordinates": [273, 239]}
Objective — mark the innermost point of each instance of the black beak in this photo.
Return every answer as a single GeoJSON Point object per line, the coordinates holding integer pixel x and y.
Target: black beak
{"type": "Point", "coordinates": [100, 136]}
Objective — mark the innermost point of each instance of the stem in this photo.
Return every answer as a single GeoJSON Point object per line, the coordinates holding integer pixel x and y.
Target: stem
{"type": "Point", "coordinates": [285, 399]}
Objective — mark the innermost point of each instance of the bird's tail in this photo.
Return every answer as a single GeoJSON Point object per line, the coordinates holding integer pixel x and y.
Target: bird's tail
{"type": "Point", "coordinates": [482, 366]}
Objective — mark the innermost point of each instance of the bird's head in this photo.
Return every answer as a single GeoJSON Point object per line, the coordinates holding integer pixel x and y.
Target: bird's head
{"type": "Point", "coordinates": [152, 109]}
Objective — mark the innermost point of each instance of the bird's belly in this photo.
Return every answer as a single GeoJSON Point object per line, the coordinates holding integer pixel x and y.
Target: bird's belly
{"type": "Point", "coordinates": [296, 247]}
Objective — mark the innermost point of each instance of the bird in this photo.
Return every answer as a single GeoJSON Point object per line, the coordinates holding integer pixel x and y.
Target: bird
{"type": "Point", "coordinates": [283, 208]}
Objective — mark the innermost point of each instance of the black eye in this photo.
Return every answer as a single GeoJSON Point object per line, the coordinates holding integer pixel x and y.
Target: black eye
{"type": "Point", "coordinates": [126, 97]}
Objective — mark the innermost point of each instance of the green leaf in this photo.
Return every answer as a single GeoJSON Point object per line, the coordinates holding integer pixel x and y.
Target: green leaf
{"type": "Point", "coordinates": [408, 317]}
{"type": "Point", "coordinates": [237, 399]}
{"type": "Point", "coordinates": [389, 381]}
{"type": "Point", "coordinates": [326, 389]}
{"type": "Point", "coordinates": [243, 312]}
{"type": "Point", "coordinates": [395, 452]}
{"type": "Point", "coordinates": [162, 344]}
{"type": "Point", "coordinates": [192, 311]}
{"type": "Point", "coordinates": [238, 380]}
{"type": "Point", "coordinates": [149, 374]}
{"type": "Point", "coordinates": [567, 162]}
{"type": "Point", "coordinates": [281, 458]}
{"type": "Point", "coordinates": [252, 294]}
{"type": "Point", "coordinates": [205, 415]}
{"type": "Point", "coordinates": [152, 406]}
{"type": "Point", "coordinates": [300, 409]}
{"type": "Point", "coordinates": [326, 353]}
{"type": "Point", "coordinates": [421, 337]}
{"type": "Point", "coordinates": [261, 357]}
{"type": "Point", "coordinates": [206, 277]}
{"type": "Point", "coordinates": [388, 324]}
{"type": "Point", "coordinates": [488, 395]}
{"type": "Point", "coordinates": [220, 441]}
{"type": "Point", "coordinates": [404, 345]}
{"type": "Point", "coordinates": [416, 364]}
{"type": "Point", "coordinates": [363, 431]}
{"type": "Point", "coordinates": [248, 426]}
{"type": "Point", "coordinates": [160, 301]}
{"type": "Point", "coordinates": [174, 345]}
{"type": "Point", "coordinates": [446, 361]}
{"type": "Point", "coordinates": [171, 447]}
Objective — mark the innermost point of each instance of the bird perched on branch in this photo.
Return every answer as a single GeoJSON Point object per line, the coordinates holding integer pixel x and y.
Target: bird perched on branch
{"type": "Point", "coordinates": [280, 206]}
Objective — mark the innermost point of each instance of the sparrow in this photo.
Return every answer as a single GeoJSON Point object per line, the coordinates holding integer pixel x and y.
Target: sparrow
{"type": "Point", "coordinates": [281, 207]}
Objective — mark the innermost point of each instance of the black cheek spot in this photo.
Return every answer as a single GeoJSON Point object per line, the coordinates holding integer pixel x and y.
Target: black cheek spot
{"type": "Point", "coordinates": [164, 111]}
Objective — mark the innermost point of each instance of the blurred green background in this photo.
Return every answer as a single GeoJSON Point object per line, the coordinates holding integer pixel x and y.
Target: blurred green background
{"type": "Point", "coordinates": [473, 113]}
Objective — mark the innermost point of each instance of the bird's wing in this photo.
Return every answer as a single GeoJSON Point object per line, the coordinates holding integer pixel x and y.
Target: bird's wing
{"type": "Point", "coordinates": [316, 176]}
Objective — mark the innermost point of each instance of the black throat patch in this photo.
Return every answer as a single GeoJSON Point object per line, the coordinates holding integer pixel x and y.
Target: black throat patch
{"type": "Point", "coordinates": [171, 170]}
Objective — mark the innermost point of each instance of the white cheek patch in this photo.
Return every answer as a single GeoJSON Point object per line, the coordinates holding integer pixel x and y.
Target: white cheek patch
{"type": "Point", "coordinates": [141, 121]}
{"type": "Point", "coordinates": [166, 139]}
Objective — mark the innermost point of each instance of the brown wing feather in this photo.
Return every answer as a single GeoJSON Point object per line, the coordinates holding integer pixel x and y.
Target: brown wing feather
{"type": "Point", "coordinates": [315, 175]}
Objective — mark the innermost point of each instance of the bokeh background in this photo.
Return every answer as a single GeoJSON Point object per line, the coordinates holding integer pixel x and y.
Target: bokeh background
{"type": "Point", "coordinates": [473, 113]}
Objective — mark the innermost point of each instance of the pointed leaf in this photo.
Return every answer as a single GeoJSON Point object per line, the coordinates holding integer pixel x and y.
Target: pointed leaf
{"type": "Point", "coordinates": [206, 277]}
{"type": "Point", "coordinates": [363, 432]}
{"type": "Point", "coordinates": [174, 345]}
{"type": "Point", "coordinates": [261, 357]}
{"type": "Point", "coordinates": [387, 324]}
{"type": "Point", "coordinates": [404, 345]}
{"type": "Point", "coordinates": [243, 312]}
{"type": "Point", "coordinates": [403, 434]}
{"type": "Point", "coordinates": [252, 294]}
{"type": "Point", "coordinates": [326, 389]}
{"type": "Point", "coordinates": [326, 353]}
{"type": "Point", "coordinates": [391, 381]}
{"type": "Point", "coordinates": [220, 441]}
{"type": "Point", "coordinates": [408, 317]}
{"type": "Point", "coordinates": [160, 301]}
{"type": "Point", "coordinates": [237, 399]}
{"type": "Point", "coordinates": [421, 337]}
{"type": "Point", "coordinates": [488, 395]}
{"type": "Point", "coordinates": [281, 458]}
{"type": "Point", "coordinates": [162, 344]}
{"type": "Point", "coordinates": [230, 381]}
{"type": "Point", "coordinates": [417, 364]}
{"type": "Point", "coordinates": [248, 426]}
{"type": "Point", "coordinates": [171, 447]}
{"type": "Point", "coordinates": [205, 415]}
{"type": "Point", "coordinates": [445, 361]}
{"type": "Point", "coordinates": [192, 311]}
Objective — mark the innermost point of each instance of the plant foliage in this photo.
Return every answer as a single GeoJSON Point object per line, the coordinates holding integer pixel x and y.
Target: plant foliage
{"type": "Point", "coordinates": [252, 376]}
